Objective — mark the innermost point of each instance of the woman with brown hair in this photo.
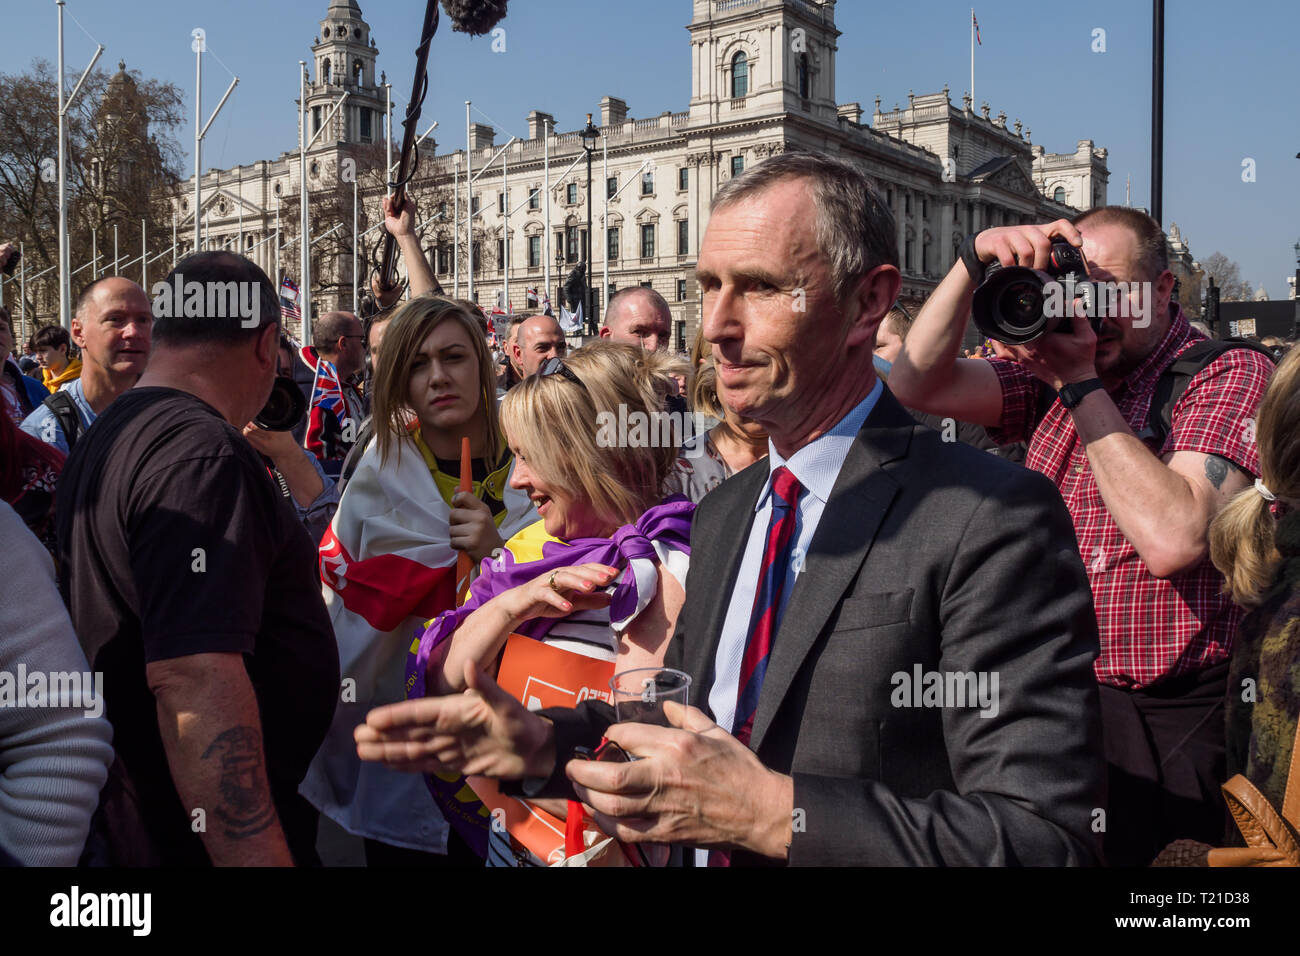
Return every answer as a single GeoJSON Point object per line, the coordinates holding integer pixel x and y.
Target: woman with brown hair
{"type": "Point", "coordinates": [1255, 542]}
{"type": "Point", "coordinates": [388, 561]}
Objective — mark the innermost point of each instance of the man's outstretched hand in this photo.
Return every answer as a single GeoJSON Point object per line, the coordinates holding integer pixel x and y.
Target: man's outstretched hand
{"type": "Point", "coordinates": [481, 732]}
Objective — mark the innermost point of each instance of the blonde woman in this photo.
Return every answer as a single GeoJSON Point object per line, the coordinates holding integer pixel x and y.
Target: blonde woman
{"type": "Point", "coordinates": [388, 561]}
{"type": "Point", "coordinates": [1255, 542]}
{"type": "Point", "coordinates": [601, 576]}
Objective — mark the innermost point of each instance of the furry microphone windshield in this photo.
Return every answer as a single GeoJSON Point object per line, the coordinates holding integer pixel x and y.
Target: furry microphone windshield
{"type": "Point", "coordinates": [475, 17]}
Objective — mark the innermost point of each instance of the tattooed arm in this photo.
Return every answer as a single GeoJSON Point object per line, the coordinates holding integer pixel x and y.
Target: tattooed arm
{"type": "Point", "coordinates": [212, 733]}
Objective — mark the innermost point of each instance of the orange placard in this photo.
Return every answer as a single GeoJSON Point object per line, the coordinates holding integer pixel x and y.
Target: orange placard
{"type": "Point", "coordinates": [541, 676]}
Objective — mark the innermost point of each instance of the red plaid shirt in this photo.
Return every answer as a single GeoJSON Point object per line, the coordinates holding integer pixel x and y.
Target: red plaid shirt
{"type": "Point", "coordinates": [1150, 628]}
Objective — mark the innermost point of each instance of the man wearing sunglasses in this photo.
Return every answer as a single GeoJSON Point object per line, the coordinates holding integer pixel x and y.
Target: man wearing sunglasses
{"type": "Point", "coordinates": [335, 409]}
{"type": "Point", "coordinates": [539, 338]}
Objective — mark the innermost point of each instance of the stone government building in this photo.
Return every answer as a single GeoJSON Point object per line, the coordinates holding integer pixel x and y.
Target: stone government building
{"type": "Point", "coordinates": [762, 82]}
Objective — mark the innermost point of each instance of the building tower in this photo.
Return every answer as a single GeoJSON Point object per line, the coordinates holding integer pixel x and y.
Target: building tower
{"type": "Point", "coordinates": [759, 57]}
{"type": "Point", "coordinates": [344, 55]}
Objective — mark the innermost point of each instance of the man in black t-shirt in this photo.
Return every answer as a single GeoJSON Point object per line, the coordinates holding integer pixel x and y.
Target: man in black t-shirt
{"type": "Point", "coordinates": [193, 588]}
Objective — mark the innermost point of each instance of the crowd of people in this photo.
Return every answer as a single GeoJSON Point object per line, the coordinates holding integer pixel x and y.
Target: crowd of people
{"type": "Point", "coordinates": [1030, 606]}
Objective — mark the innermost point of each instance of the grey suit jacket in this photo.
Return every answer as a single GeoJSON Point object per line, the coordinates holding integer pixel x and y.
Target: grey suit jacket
{"type": "Point", "coordinates": [935, 567]}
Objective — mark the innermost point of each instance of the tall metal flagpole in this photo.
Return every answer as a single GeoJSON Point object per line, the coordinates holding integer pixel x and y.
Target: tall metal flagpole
{"type": "Point", "coordinates": [240, 199]}
{"type": "Point", "coordinates": [469, 207]}
{"type": "Point", "coordinates": [65, 277]}
{"type": "Point", "coordinates": [388, 124]}
{"type": "Point", "coordinates": [277, 245]}
{"type": "Point", "coordinates": [355, 300]}
{"type": "Point", "coordinates": [197, 45]}
{"type": "Point", "coordinates": [304, 239]}
{"type": "Point", "coordinates": [94, 254]}
{"type": "Point", "coordinates": [22, 293]}
{"type": "Point", "coordinates": [972, 57]}
{"type": "Point", "coordinates": [505, 234]}
{"type": "Point", "coordinates": [144, 254]}
{"type": "Point", "coordinates": [114, 248]}
{"type": "Point", "coordinates": [455, 229]}
{"type": "Point", "coordinates": [546, 198]}
{"type": "Point", "coordinates": [175, 220]}
{"type": "Point", "coordinates": [604, 222]}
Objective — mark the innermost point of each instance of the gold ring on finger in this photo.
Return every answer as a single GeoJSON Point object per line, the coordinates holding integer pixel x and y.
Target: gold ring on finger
{"type": "Point", "coordinates": [551, 582]}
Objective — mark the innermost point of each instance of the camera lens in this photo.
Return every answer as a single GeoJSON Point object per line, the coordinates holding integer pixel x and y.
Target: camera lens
{"type": "Point", "coordinates": [285, 407]}
{"type": "Point", "coordinates": [1021, 305]}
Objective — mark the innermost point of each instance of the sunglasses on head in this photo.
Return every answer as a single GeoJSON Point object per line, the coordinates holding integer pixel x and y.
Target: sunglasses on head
{"type": "Point", "coordinates": [556, 366]}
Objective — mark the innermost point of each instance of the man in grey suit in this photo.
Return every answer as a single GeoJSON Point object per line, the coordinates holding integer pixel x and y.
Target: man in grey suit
{"type": "Point", "coordinates": [891, 637]}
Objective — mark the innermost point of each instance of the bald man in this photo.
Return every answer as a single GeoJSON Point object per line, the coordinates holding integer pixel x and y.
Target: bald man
{"type": "Point", "coordinates": [340, 341]}
{"type": "Point", "coordinates": [538, 339]}
{"type": "Point", "coordinates": [113, 327]}
{"type": "Point", "coordinates": [638, 316]}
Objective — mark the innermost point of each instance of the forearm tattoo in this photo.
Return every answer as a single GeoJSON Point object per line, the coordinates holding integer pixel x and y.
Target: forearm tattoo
{"type": "Point", "coordinates": [1217, 468]}
{"type": "Point", "coordinates": [246, 808]}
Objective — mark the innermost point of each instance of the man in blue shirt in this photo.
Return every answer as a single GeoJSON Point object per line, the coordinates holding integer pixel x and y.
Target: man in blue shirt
{"type": "Point", "coordinates": [112, 327]}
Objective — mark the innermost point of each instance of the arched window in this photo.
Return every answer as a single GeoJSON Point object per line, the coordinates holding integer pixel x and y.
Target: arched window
{"type": "Point", "coordinates": [739, 75]}
{"type": "Point", "coordinates": [803, 75]}
{"type": "Point", "coordinates": [325, 70]}
{"type": "Point", "coordinates": [356, 70]}
{"type": "Point", "coordinates": [1059, 194]}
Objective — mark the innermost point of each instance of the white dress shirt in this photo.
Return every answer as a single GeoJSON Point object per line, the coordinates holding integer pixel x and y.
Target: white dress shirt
{"type": "Point", "coordinates": [816, 466]}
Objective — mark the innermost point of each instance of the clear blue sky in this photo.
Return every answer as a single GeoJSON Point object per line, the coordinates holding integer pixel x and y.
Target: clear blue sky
{"type": "Point", "coordinates": [1231, 87]}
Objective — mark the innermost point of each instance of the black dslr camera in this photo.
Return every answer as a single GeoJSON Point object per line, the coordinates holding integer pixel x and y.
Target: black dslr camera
{"type": "Point", "coordinates": [284, 409]}
{"type": "Point", "coordinates": [1011, 306]}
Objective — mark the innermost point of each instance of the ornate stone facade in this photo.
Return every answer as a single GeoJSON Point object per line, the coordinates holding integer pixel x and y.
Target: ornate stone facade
{"type": "Point", "coordinates": [762, 82]}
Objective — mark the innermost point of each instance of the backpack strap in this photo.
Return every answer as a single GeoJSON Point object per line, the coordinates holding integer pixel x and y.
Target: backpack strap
{"type": "Point", "coordinates": [1174, 380]}
{"type": "Point", "coordinates": [65, 410]}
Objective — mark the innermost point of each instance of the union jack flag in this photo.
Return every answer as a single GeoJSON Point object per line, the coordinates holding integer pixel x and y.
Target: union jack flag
{"type": "Point", "coordinates": [289, 298]}
{"type": "Point", "coordinates": [976, 24]}
{"type": "Point", "coordinates": [327, 391]}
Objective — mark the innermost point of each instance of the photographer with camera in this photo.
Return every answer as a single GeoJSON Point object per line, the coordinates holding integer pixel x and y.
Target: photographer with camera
{"type": "Point", "coordinates": [1147, 434]}
{"type": "Point", "coordinates": [194, 589]}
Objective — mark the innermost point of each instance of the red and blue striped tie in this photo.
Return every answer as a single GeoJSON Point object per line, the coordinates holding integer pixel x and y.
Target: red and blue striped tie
{"type": "Point", "coordinates": [766, 615]}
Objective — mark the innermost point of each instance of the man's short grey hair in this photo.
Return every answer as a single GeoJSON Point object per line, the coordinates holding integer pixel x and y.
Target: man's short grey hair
{"type": "Point", "coordinates": [855, 229]}
{"type": "Point", "coordinates": [327, 329]}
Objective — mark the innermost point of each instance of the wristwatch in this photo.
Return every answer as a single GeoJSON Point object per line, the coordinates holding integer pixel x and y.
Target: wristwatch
{"type": "Point", "coordinates": [1072, 394]}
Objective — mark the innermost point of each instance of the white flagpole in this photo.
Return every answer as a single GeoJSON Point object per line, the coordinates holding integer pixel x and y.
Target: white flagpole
{"type": "Point", "coordinates": [546, 198]}
{"type": "Point", "coordinates": [469, 207]}
{"type": "Point", "coordinates": [604, 223]}
{"type": "Point", "coordinates": [240, 200]}
{"type": "Point", "coordinates": [277, 245]}
{"type": "Point", "coordinates": [144, 254]}
{"type": "Point", "coordinates": [65, 103]}
{"type": "Point", "coordinates": [355, 300]}
{"type": "Point", "coordinates": [94, 254]}
{"type": "Point", "coordinates": [304, 279]}
{"type": "Point", "coordinates": [455, 229]}
{"type": "Point", "coordinates": [114, 248]}
{"type": "Point", "coordinates": [173, 237]}
{"type": "Point", "coordinates": [505, 232]}
{"type": "Point", "coordinates": [22, 293]}
{"type": "Point", "coordinates": [388, 99]}
{"type": "Point", "coordinates": [972, 57]}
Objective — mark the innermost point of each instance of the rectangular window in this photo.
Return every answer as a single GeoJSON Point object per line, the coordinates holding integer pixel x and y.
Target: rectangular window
{"type": "Point", "coordinates": [501, 202]}
{"type": "Point", "coordinates": [681, 290]}
{"type": "Point", "coordinates": [473, 205]}
{"type": "Point", "coordinates": [501, 253]}
{"type": "Point", "coordinates": [925, 209]}
{"type": "Point", "coordinates": [907, 204]}
{"type": "Point", "coordinates": [365, 126]}
{"type": "Point", "coordinates": [444, 260]}
{"type": "Point", "coordinates": [315, 120]}
{"type": "Point", "coordinates": [571, 244]}
{"type": "Point", "coordinates": [683, 237]}
{"type": "Point", "coordinates": [609, 293]}
{"type": "Point", "coordinates": [535, 199]}
{"type": "Point", "coordinates": [572, 194]}
{"type": "Point", "coordinates": [648, 241]}
{"type": "Point", "coordinates": [611, 186]}
{"type": "Point", "coordinates": [737, 166]}
{"type": "Point", "coordinates": [907, 256]}
{"type": "Point", "coordinates": [925, 258]}
{"type": "Point", "coordinates": [647, 182]}
{"type": "Point", "coordinates": [534, 252]}
{"type": "Point", "coordinates": [684, 178]}
{"type": "Point", "coordinates": [611, 243]}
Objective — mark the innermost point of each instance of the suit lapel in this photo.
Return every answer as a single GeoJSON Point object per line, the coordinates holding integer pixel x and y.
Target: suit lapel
{"type": "Point", "coordinates": [717, 549]}
{"type": "Point", "coordinates": [858, 503]}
